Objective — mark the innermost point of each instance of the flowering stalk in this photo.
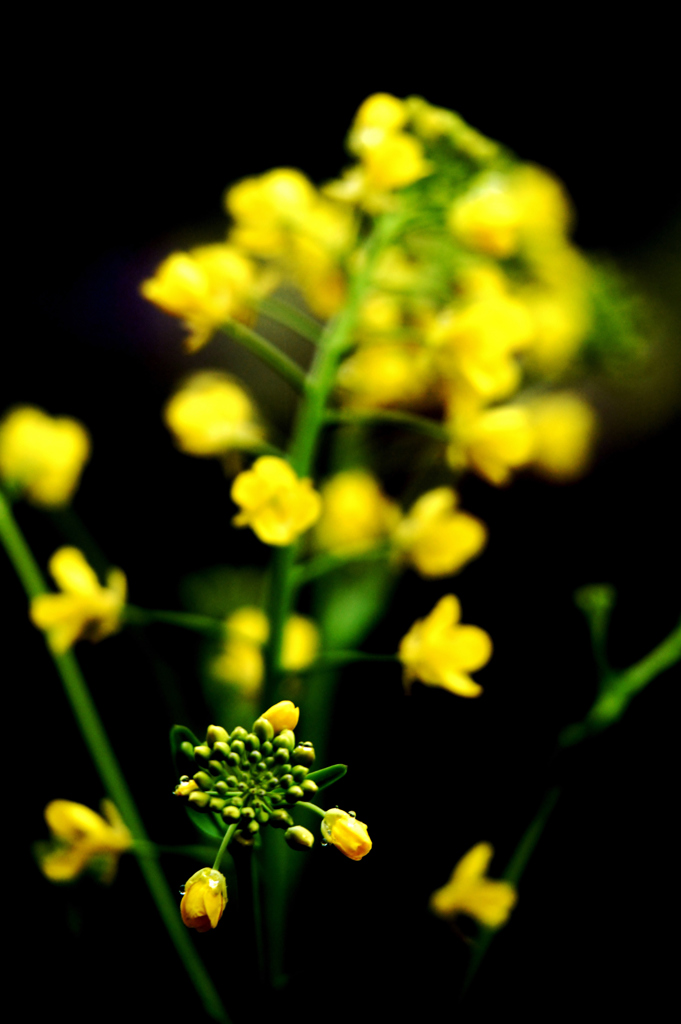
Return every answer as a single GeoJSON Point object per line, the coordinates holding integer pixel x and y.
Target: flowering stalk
{"type": "Point", "coordinates": [109, 771]}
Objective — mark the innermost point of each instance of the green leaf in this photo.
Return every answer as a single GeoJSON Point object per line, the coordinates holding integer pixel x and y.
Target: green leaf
{"type": "Point", "coordinates": [327, 776]}
{"type": "Point", "coordinates": [207, 824]}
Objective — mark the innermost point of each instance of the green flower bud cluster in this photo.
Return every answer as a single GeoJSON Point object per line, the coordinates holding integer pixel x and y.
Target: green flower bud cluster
{"type": "Point", "coordinates": [250, 778]}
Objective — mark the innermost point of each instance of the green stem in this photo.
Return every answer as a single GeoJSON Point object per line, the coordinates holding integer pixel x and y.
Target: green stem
{"type": "Point", "coordinates": [513, 874]}
{"type": "Point", "coordinates": [311, 807]}
{"type": "Point", "coordinates": [185, 620]}
{"type": "Point", "coordinates": [289, 316]}
{"type": "Point", "coordinates": [326, 562]}
{"type": "Point", "coordinates": [266, 351]}
{"type": "Point", "coordinates": [109, 771]}
{"type": "Point", "coordinates": [401, 419]}
{"type": "Point", "coordinates": [226, 840]}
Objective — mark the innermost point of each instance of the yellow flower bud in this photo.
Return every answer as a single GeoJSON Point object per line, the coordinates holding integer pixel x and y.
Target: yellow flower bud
{"type": "Point", "coordinates": [346, 833]}
{"type": "Point", "coordinates": [204, 900]}
{"type": "Point", "coordinates": [469, 892]}
{"type": "Point", "coordinates": [42, 455]}
{"type": "Point", "coordinates": [84, 609]}
{"type": "Point", "coordinates": [275, 503]}
{"type": "Point", "coordinates": [283, 715]}
{"type": "Point", "coordinates": [440, 652]}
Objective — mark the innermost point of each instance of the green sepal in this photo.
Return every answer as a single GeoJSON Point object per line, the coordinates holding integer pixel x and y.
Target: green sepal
{"type": "Point", "coordinates": [206, 823]}
{"type": "Point", "coordinates": [327, 776]}
{"type": "Point", "coordinates": [178, 734]}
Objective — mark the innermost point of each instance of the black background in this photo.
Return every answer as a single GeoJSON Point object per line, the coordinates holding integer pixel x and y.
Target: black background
{"type": "Point", "coordinates": [119, 151]}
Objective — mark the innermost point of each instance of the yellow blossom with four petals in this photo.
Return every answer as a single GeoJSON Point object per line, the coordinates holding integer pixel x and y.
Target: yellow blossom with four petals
{"type": "Point", "coordinates": [468, 891]}
{"type": "Point", "coordinates": [439, 651]}
{"type": "Point", "coordinates": [84, 609]}
{"type": "Point", "coordinates": [275, 503]}
{"type": "Point", "coordinates": [41, 455]}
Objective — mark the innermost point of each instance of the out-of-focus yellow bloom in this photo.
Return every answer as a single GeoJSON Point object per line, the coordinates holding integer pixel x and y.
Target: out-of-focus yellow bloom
{"type": "Point", "coordinates": [486, 219]}
{"type": "Point", "coordinates": [346, 833]}
{"type": "Point", "coordinates": [275, 503]}
{"type": "Point", "coordinates": [494, 442]}
{"type": "Point", "coordinates": [384, 375]}
{"type": "Point", "coordinates": [42, 455]}
{"type": "Point", "coordinates": [283, 715]}
{"type": "Point", "coordinates": [436, 538]}
{"type": "Point", "coordinates": [381, 111]}
{"type": "Point", "coordinates": [83, 839]}
{"type": "Point", "coordinates": [204, 900]}
{"type": "Point", "coordinates": [241, 662]}
{"type": "Point", "coordinates": [563, 425]}
{"type": "Point", "coordinates": [440, 652]}
{"type": "Point", "coordinates": [205, 287]}
{"type": "Point", "coordinates": [210, 415]}
{"type": "Point", "coordinates": [85, 609]}
{"type": "Point", "coordinates": [469, 892]}
{"type": "Point", "coordinates": [356, 515]}
{"type": "Point", "coordinates": [185, 788]}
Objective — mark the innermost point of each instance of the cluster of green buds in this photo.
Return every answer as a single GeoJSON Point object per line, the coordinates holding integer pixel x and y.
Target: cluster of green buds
{"type": "Point", "coordinates": [250, 778]}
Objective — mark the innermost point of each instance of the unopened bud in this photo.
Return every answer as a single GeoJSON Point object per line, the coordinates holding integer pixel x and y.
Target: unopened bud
{"type": "Point", "coordinates": [280, 819]}
{"type": "Point", "coordinates": [199, 799]}
{"type": "Point", "coordinates": [303, 754]}
{"type": "Point", "coordinates": [299, 838]}
{"type": "Point", "coordinates": [204, 780]}
{"type": "Point", "coordinates": [216, 734]}
{"type": "Point", "coordinates": [263, 729]}
{"type": "Point", "coordinates": [286, 739]}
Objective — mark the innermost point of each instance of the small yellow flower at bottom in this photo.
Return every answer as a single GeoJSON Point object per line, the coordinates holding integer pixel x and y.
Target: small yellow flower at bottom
{"type": "Point", "coordinates": [469, 892]}
{"type": "Point", "coordinates": [346, 833]}
{"type": "Point", "coordinates": [83, 836]}
{"type": "Point", "coordinates": [440, 652]}
{"type": "Point", "coordinates": [204, 900]}
{"type": "Point", "coordinates": [84, 608]}
{"type": "Point", "coordinates": [275, 503]}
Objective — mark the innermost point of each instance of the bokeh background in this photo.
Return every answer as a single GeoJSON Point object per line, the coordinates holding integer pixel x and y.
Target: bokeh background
{"type": "Point", "coordinates": [120, 151]}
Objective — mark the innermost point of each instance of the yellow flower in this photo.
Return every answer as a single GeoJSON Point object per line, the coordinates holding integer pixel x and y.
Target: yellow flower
{"type": "Point", "coordinates": [493, 442]}
{"type": "Point", "coordinates": [436, 538]}
{"type": "Point", "coordinates": [440, 652]}
{"type": "Point", "coordinates": [241, 662]}
{"type": "Point", "coordinates": [563, 426]}
{"type": "Point", "coordinates": [385, 374]}
{"type": "Point", "coordinates": [84, 609]}
{"type": "Point", "coordinates": [42, 455]}
{"type": "Point", "coordinates": [210, 415]}
{"type": "Point", "coordinates": [283, 715]}
{"type": "Point", "coordinates": [346, 833]}
{"type": "Point", "coordinates": [81, 837]}
{"type": "Point", "coordinates": [469, 892]}
{"type": "Point", "coordinates": [204, 900]}
{"type": "Point", "coordinates": [205, 287]}
{"type": "Point", "coordinates": [274, 502]}
{"type": "Point", "coordinates": [356, 514]}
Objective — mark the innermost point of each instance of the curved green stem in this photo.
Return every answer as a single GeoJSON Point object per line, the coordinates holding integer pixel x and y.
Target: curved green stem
{"type": "Point", "coordinates": [226, 840]}
{"type": "Point", "coordinates": [268, 352]}
{"type": "Point", "coordinates": [107, 766]}
{"type": "Point", "coordinates": [287, 315]}
{"type": "Point", "coordinates": [326, 562]}
{"type": "Point", "coordinates": [311, 807]}
{"type": "Point", "coordinates": [401, 419]}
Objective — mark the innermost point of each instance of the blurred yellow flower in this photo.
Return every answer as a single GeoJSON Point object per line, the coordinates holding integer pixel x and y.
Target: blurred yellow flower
{"type": "Point", "coordinates": [85, 609]}
{"type": "Point", "coordinates": [356, 514]}
{"type": "Point", "coordinates": [387, 374]}
{"type": "Point", "coordinates": [493, 442]}
{"type": "Point", "coordinates": [346, 833]}
{"type": "Point", "coordinates": [468, 891]}
{"type": "Point", "coordinates": [283, 715]}
{"type": "Point", "coordinates": [41, 455]}
{"type": "Point", "coordinates": [82, 837]}
{"type": "Point", "coordinates": [205, 287]}
{"type": "Point", "coordinates": [210, 415]}
{"type": "Point", "coordinates": [436, 538]}
{"type": "Point", "coordinates": [275, 503]}
{"type": "Point", "coordinates": [440, 652]}
{"type": "Point", "coordinates": [563, 425]}
{"type": "Point", "coordinates": [204, 899]}
{"type": "Point", "coordinates": [241, 661]}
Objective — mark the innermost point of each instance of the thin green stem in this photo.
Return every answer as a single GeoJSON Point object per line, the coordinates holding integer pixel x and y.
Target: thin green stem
{"type": "Point", "coordinates": [226, 840]}
{"type": "Point", "coordinates": [287, 315]}
{"type": "Point", "coordinates": [266, 351]}
{"type": "Point", "coordinates": [311, 807]}
{"type": "Point", "coordinates": [326, 562]}
{"type": "Point", "coordinates": [105, 762]}
{"type": "Point", "coordinates": [185, 620]}
{"type": "Point", "coordinates": [400, 419]}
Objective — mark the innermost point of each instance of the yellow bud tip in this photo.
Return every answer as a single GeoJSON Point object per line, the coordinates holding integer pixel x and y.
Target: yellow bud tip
{"type": "Point", "coordinates": [346, 833]}
{"type": "Point", "coordinates": [204, 900]}
{"type": "Point", "coordinates": [283, 715]}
